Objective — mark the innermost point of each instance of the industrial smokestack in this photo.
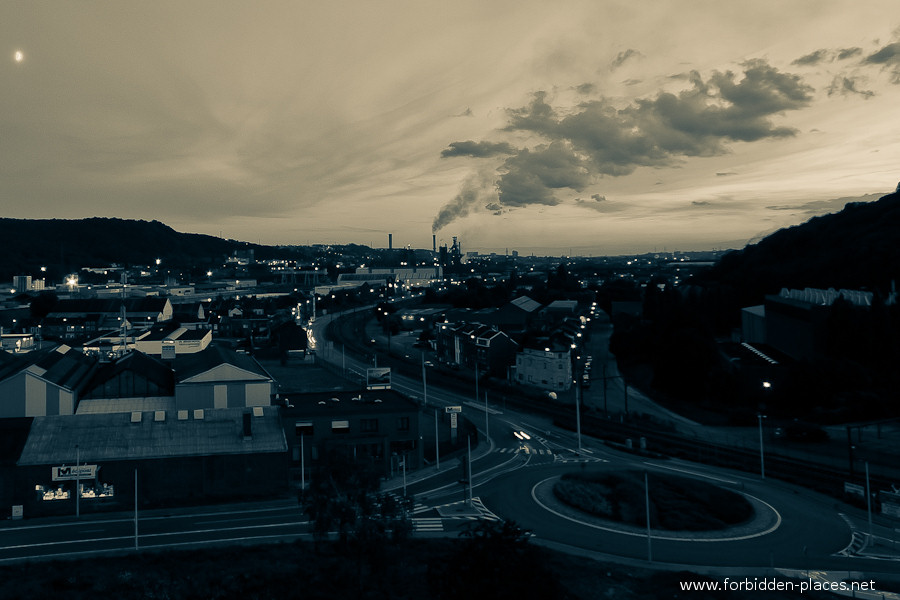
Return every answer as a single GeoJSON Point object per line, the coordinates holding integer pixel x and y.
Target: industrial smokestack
{"type": "Point", "coordinates": [434, 243]}
{"type": "Point", "coordinates": [390, 241]}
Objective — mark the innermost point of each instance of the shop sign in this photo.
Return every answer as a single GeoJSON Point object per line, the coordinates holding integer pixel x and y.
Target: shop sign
{"type": "Point", "coordinates": [72, 472]}
{"type": "Point", "coordinates": [854, 488]}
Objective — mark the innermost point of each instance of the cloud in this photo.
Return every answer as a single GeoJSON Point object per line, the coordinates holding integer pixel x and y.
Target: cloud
{"type": "Point", "coordinates": [819, 207]}
{"type": "Point", "coordinates": [888, 57]}
{"type": "Point", "coordinates": [620, 58]}
{"type": "Point", "coordinates": [654, 131]}
{"type": "Point", "coordinates": [725, 173]}
{"type": "Point", "coordinates": [846, 53]}
{"type": "Point", "coordinates": [600, 204]}
{"type": "Point", "coordinates": [701, 203]}
{"type": "Point", "coordinates": [890, 54]}
{"type": "Point", "coordinates": [531, 176]}
{"type": "Point", "coordinates": [477, 149]}
{"type": "Point", "coordinates": [847, 85]}
{"type": "Point", "coordinates": [813, 58]}
{"type": "Point", "coordinates": [585, 88]}
{"type": "Point", "coordinates": [599, 138]}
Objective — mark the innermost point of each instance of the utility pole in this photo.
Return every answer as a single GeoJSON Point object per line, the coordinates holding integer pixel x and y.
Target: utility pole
{"type": "Point", "coordinates": [578, 413]}
{"type": "Point", "coordinates": [469, 447]}
{"type": "Point", "coordinates": [437, 442]}
{"type": "Point", "coordinates": [647, 501]}
{"type": "Point", "coordinates": [487, 422]}
{"type": "Point", "coordinates": [135, 511]}
{"type": "Point", "coordinates": [77, 483]}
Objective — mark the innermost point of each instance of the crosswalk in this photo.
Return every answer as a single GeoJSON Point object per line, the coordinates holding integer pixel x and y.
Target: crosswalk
{"type": "Point", "coordinates": [563, 456]}
{"type": "Point", "coordinates": [428, 523]}
{"type": "Point", "coordinates": [525, 450]}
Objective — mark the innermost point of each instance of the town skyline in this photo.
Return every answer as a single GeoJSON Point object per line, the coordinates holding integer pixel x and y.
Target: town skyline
{"type": "Point", "coordinates": [584, 129]}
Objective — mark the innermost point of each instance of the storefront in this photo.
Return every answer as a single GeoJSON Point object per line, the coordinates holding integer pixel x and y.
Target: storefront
{"type": "Point", "coordinates": [206, 456]}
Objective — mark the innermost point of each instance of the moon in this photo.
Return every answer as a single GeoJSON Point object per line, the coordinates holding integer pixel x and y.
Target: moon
{"type": "Point", "coordinates": [19, 56]}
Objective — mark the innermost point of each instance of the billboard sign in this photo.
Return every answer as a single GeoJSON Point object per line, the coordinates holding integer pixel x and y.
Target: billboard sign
{"type": "Point", "coordinates": [72, 472]}
{"type": "Point", "coordinates": [378, 378]}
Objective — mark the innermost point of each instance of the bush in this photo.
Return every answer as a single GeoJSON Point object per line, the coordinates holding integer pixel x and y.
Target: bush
{"type": "Point", "coordinates": [676, 503]}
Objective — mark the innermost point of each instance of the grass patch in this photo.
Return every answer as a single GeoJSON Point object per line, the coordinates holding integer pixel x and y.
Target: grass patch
{"type": "Point", "coordinates": [676, 503]}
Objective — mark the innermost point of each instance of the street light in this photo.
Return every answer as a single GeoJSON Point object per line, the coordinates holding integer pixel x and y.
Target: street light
{"type": "Point", "coordinates": [762, 461]}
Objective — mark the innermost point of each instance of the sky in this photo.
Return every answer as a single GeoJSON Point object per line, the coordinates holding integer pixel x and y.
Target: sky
{"type": "Point", "coordinates": [594, 127]}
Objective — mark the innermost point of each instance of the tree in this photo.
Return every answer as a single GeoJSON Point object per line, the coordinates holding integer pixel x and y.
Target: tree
{"type": "Point", "coordinates": [494, 560]}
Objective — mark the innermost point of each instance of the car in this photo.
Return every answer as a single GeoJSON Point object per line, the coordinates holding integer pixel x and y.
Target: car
{"type": "Point", "coordinates": [428, 363]}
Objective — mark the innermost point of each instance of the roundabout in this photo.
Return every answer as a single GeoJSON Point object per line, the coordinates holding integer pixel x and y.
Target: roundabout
{"type": "Point", "coordinates": [789, 527]}
{"type": "Point", "coordinates": [764, 521]}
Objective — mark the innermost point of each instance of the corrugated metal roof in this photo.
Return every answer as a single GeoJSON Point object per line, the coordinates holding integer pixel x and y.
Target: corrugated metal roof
{"type": "Point", "coordinates": [62, 366]}
{"type": "Point", "coordinates": [190, 365]}
{"type": "Point", "coordinates": [111, 437]}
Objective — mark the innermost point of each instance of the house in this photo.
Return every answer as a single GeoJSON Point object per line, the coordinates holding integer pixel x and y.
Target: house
{"type": "Point", "coordinates": [380, 425]}
{"type": "Point", "coordinates": [218, 377]}
{"type": "Point", "coordinates": [545, 364]}
{"type": "Point", "coordinates": [796, 321]}
{"type": "Point", "coordinates": [44, 382]}
{"type": "Point", "coordinates": [131, 382]}
{"type": "Point", "coordinates": [475, 346]}
{"type": "Point", "coordinates": [518, 314]}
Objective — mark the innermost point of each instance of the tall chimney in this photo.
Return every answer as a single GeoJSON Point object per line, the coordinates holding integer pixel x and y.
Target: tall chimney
{"type": "Point", "coordinates": [434, 243]}
{"type": "Point", "coordinates": [390, 241]}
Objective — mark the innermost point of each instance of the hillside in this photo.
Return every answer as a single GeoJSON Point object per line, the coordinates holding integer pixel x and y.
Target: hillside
{"type": "Point", "coordinates": [855, 248]}
{"type": "Point", "coordinates": [67, 245]}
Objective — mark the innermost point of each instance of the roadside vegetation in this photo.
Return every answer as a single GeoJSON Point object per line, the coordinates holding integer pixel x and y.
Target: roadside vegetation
{"type": "Point", "coordinates": [676, 503]}
{"type": "Point", "coordinates": [490, 561]}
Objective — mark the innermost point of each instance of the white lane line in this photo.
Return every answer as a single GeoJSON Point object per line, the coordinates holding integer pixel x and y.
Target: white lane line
{"type": "Point", "coordinates": [660, 537]}
{"type": "Point", "coordinates": [657, 466]}
{"type": "Point", "coordinates": [148, 535]}
{"type": "Point", "coordinates": [16, 528]}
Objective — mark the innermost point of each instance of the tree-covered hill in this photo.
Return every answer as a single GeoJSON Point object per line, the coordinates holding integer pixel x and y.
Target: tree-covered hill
{"type": "Point", "coordinates": [855, 248]}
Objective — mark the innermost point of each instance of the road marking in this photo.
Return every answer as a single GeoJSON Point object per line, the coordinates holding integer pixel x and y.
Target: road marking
{"type": "Point", "coordinates": [150, 535]}
{"type": "Point", "coordinates": [643, 534]}
{"type": "Point", "coordinates": [691, 473]}
{"type": "Point", "coordinates": [15, 528]}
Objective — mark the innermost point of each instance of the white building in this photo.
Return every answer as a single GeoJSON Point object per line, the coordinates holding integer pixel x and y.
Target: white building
{"type": "Point", "coordinates": [547, 368]}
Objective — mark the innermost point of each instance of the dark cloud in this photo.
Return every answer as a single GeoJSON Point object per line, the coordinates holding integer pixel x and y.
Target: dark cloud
{"type": "Point", "coordinates": [890, 54]}
{"type": "Point", "coordinates": [889, 57]}
{"type": "Point", "coordinates": [725, 174]}
{"type": "Point", "coordinates": [600, 204]}
{"type": "Point", "coordinates": [819, 207]}
{"type": "Point", "coordinates": [700, 203]}
{"type": "Point", "coordinates": [620, 59]}
{"type": "Point", "coordinates": [586, 88]}
{"type": "Point", "coordinates": [695, 122]}
{"type": "Point", "coordinates": [813, 58]}
{"type": "Point", "coordinates": [847, 85]}
{"type": "Point", "coordinates": [531, 176]}
{"type": "Point", "coordinates": [477, 149]}
{"type": "Point", "coordinates": [598, 138]}
{"type": "Point", "coordinates": [846, 53]}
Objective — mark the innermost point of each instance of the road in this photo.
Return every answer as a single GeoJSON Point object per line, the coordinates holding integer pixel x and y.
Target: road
{"type": "Point", "coordinates": [804, 530]}
{"type": "Point", "coordinates": [513, 473]}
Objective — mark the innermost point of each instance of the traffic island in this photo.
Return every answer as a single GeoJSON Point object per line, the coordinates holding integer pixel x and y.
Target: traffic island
{"type": "Point", "coordinates": [681, 508]}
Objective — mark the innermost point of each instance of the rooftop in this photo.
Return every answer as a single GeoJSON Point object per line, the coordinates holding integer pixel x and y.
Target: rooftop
{"type": "Point", "coordinates": [116, 436]}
